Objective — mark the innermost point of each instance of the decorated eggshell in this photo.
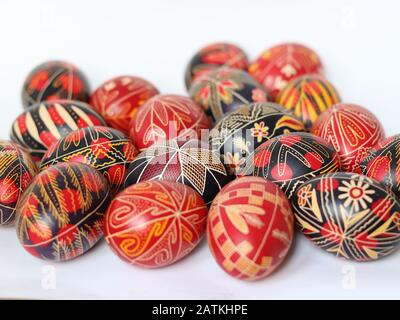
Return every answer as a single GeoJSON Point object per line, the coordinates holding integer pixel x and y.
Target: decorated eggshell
{"type": "Point", "coordinates": [167, 116]}
{"type": "Point", "coordinates": [225, 89]}
{"type": "Point", "coordinates": [250, 228]}
{"type": "Point", "coordinates": [54, 80]}
{"type": "Point", "coordinates": [383, 163]}
{"type": "Point", "coordinates": [190, 162]}
{"type": "Point", "coordinates": [348, 215]}
{"type": "Point", "coordinates": [45, 123]}
{"type": "Point", "coordinates": [282, 63]}
{"type": "Point", "coordinates": [118, 99]}
{"type": "Point", "coordinates": [16, 172]}
{"type": "Point", "coordinates": [352, 130]}
{"type": "Point", "coordinates": [213, 56]}
{"type": "Point", "coordinates": [308, 96]}
{"type": "Point", "coordinates": [239, 133]}
{"type": "Point", "coordinates": [105, 149]}
{"type": "Point", "coordinates": [291, 159]}
{"type": "Point", "coordinates": [155, 223]}
{"type": "Point", "coordinates": [60, 215]}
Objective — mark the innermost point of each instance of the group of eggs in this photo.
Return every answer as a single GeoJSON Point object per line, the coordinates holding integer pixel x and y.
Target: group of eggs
{"type": "Point", "coordinates": [282, 148]}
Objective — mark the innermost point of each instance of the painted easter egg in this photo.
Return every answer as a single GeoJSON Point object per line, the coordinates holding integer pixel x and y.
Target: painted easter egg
{"type": "Point", "coordinates": [213, 56]}
{"type": "Point", "coordinates": [239, 133]}
{"type": "Point", "coordinates": [291, 159]}
{"type": "Point", "coordinates": [167, 116]}
{"type": "Point", "coordinates": [308, 96]}
{"type": "Point", "coordinates": [54, 80]}
{"type": "Point", "coordinates": [348, 215]}
{"type": "Point", "coordinates": [383, 162]}
{"type": "Point", "coordinates": [250, 228]}
{"type": "Point", "coordinates": [118, 100]}
{"type": "Point", "coordinates": [225, 89]}
{"type": "Point", "coordinates": [155, 223]}
{"type": "Point", "coordinates": [45, 123]}
{"type": "Point", "coordinates": [278, 65]}
{"type": "Point", "coordinates": [17, 170]}
{"type": "Point", "coordinates": [190, 162]}
{"type": "Point", "coordinates": [105, 149]}
{"type": "Point", "coordinates": [352, 130]}
{"type": "Point", "coordinates": [60, 215]}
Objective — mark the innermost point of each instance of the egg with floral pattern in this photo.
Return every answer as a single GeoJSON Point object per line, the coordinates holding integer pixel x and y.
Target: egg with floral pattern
{"type": "Point", "coordinates": [291, 159]}
{"type": "Point", "coordinates": [250, 228]}
{"type": "Point", "coordinates": [225, 89]}
{"type": "Point", "coordinates": [60, 215]}
{"type": "Point", "coordinates": [213, 56]}
{"type": "Point", "coordinates": [239, 133]}
{"type": "Point", "coordinates": [348, 215]}
{"type": "Point", "coordinates": [55, 80]}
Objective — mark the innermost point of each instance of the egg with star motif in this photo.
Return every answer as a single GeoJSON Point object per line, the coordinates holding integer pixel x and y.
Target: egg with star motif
{"type": "Point", "coordinates": [60, 215]}
{"type": "Point", "coordinates": [348, 215]}
{"type": "Point", "coordinates": [291, 159]}
{"type": "Point", "coordinates": [105, 149]}
{"type": "Point", "coordinates": [250, 228]}
{"type": "Point", "coordinates": [239, 133]}
{"type": "Point", "coordinates": [55, 80]}
{"type": "Point", "coordinates": [153, 224]}
{"type": "Point", "coordinates": [45, 123]}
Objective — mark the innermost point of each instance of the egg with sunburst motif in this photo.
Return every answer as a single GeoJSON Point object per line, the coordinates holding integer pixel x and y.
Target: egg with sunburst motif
{"type": "Point", "coordinates": [60, 215]}
{"type": "Point", "coordinates": [348, 215]}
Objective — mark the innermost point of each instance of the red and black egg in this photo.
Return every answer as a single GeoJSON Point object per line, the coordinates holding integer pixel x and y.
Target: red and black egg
{"type": "Point", "coordinates": [291, 159]}
{"type": "Point", "coordinates": [61, 213]}
{"type": "Point", "coordinates": [105, 149]}
{"type": "Point", "coordinates": [54, 80]}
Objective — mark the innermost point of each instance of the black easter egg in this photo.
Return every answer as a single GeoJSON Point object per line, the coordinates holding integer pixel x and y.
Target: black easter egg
{"type": "Point", "coordinates": [239, 133]}
{"type": "Point", "coordinates": [191, 162]}
{"type": "Point", "coordinates": [45, 123]}
{"type": "Point", "coordinates": [348, 215]}
{"type": "Point", "coordinates": [17, 170]}
{"type": "Point", "coordinates": [61, 213]}
{"type": "Point", "coordinates": [105, 149]}
{"type": "Point", "coordinates": [291, 159]}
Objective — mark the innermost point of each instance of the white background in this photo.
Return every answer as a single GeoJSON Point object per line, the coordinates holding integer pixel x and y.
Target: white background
{"type": "Point", "coordinates": [358, 42]}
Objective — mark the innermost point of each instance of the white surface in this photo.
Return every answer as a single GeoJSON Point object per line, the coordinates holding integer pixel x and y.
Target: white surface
{"type": "Point", "coordinates": [358, 43]}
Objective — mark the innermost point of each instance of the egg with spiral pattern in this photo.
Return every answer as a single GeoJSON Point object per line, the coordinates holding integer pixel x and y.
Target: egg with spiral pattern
{"type": "Point", "coordinates": [213, 56]}
{"type": "Point", "coordinates": [17, 170]}
{"type": "Point", "coordinates": [278, 65]}
{"type": "Point", "coordinates": [60, 215]}
{"type": "Point", "coordinates": [118, 100]}
{"type": "Point", "coordinates": [105, 149]}
{"type": "Point", "coordinates": [54, 80]}
{"type": "Point", "coordinates": [352, 130]}
{"type": "Point", "coordinates": [225, 89]}
{"type": "Point", "coordinates": [250, 228]}
{"type": "Point", "coordinates": [190, 162]}
{"type": "Point", "coordinates": [167, 116]}
{"type": "Point", "coordinates": [239, 133]}
{"type": "Point", "coordinates": [45, 123]}
{"type": "Point", "coordinates": [308, 96]}
{"type": "Point", "coordinates": [348, 215]}
{"type": "Point", "coordinates": [291, 159]}
{"type": "Point", "coordinates": [153, 224]}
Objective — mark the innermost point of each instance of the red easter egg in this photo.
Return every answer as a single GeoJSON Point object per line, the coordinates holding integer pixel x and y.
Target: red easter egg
{"type": "Point", "coordinates": [167, 116]}
{"type": "Point", "coordinates": [352, 130]}
{"type": "Point", "coordinates": [250, 228]}
{"type": "Point", "coordinates": [155, 223]}
{"type": "Point", "coordinates": [282, 63]}
{"type": "Point", "coordinates": [118, 100]}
